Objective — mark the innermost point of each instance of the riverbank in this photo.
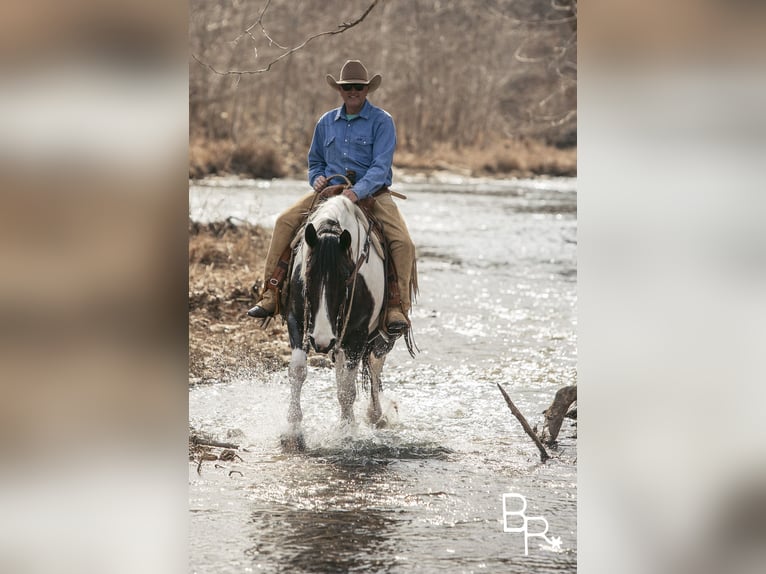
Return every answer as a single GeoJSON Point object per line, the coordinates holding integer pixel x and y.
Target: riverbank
{"type": "Point", "coordinates": [507, 158]}
{"type": "Point", "coordinates": [225, 261]}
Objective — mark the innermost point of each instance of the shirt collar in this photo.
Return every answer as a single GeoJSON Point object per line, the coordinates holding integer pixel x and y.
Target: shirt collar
{"type": "Point", "coordinates": [364, 112]}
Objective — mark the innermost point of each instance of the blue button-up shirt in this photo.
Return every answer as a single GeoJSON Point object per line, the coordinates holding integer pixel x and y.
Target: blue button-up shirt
{"type": "Point", "coordinates": [364, 144]}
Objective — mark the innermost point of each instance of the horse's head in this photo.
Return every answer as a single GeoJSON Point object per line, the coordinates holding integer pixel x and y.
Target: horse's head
{"type": "Point", "coordinates": [328, 266]}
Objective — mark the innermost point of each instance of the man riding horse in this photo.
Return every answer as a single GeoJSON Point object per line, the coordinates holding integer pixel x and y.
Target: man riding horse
{"type": "Point", "coordinates": [357, 139]}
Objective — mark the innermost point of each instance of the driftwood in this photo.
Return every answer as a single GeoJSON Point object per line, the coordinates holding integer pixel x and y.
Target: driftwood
{"type": "Point", "coordinates": [201, 444]}
{"type": "Point", "coordinates": [202, 440]}
{"type": "Point", "coordinates": [517, 413]}
{"type": "Point", "coordinates": [555, 414]}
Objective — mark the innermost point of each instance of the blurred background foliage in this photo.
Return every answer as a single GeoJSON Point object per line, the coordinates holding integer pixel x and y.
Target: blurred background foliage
{"type": "Point", "coordinates": [487, 86]}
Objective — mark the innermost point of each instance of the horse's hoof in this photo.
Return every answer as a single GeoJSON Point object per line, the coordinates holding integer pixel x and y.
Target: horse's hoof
{"type": "Point", "coordinates": [293, 442]}
{"type": "Point", "coordinates": [381, 423]}
{"type": "Point", "coordinates": [376, 420]}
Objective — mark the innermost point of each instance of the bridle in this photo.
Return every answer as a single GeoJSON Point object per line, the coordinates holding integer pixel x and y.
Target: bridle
{"type": "Point", "coordinates": [344, 314]}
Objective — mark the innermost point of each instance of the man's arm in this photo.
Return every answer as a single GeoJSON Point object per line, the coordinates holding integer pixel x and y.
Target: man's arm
{"type": "Point", "coordinates": [317, 162]}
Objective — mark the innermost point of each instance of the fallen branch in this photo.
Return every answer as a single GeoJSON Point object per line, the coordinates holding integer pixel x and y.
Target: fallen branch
{"type": "Point", "coordinates": [203, 457]}
{"type": "Point", "coordinates": [199, 440]}
{"type": "Point", "coordinates": [517, 413]}
{"type": "Point", "coordinates": [554, 414]}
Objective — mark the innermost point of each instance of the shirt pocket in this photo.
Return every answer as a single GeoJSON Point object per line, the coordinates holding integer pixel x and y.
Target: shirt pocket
{"type": "Point", "coordinates": [362, 149]}
{"type": "Point", "coordinates": [332, 153]}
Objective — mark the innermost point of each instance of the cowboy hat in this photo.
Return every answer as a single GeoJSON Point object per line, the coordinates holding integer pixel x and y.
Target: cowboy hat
{"type": "Point", "coordinates": [353, 72]}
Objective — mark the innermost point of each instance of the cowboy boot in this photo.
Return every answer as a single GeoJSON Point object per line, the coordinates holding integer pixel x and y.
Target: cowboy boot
{"type": "Point", "coordinates": [280, 243]}
{"type": "Point", "coordinates": [266, 306]}
{"type": "Point", "coordinates": [396, 320]}
{"type": "Point", "coordinates": [398, 304]}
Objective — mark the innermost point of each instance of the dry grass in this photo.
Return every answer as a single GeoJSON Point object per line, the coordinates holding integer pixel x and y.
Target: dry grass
{"type": "Point", "coordinates": [522, 158]}
{"type": "Point", "coordinates": [506, 158]}
{"type": "Point", "coordinates": [224, 157]}
{"type": "Point", "coordinates": [225, 261]}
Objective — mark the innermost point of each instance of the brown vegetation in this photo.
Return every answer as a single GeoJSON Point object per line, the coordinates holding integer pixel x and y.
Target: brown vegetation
{"type": "Point", "coordinates": [518, 158]}
{"type": "Point", "coordinates": [225, 261]}
{"type": "Point", "coordinates": [485, 87]}
{"type": "Point", "coordinates": [225, 275]}
{"type": "Point", "coordinates": [521, 158]}
{"type": "Point", "coordinates": [224, 157]}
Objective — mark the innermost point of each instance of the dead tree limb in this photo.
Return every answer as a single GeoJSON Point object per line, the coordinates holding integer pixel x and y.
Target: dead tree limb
{"type": "Point", "coordinates": [554, 414]}
{"type": "Point", "coordinates": [517, 413]}
{"type": "Point", "coordinates": [287, 52]}
{"type": "Point", "coordinates": [200, 440]}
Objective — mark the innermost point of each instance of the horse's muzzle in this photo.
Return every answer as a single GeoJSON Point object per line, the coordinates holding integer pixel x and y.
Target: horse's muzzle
{"type": "Point", "coordinates": [322, 349]}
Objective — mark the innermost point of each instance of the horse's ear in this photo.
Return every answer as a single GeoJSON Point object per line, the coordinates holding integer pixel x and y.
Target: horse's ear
{"type": "Point", "coordinates": [345, 240]}
{"type": "Point", "coordinates": [311, 235]}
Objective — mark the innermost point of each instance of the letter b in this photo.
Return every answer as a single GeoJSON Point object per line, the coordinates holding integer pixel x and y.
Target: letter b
{"type": "Point", "coordinates": [519, 513]}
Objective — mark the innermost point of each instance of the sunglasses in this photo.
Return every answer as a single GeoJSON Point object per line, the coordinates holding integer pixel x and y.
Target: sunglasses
{"type": "Point", "coordinates": [357, 87]}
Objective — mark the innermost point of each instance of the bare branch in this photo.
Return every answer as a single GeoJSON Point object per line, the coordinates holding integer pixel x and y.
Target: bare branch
{"type": "Point", "coordinates": [554, 414]}
{"type": "Point", "coordinates": [558, 120]}
{"type": "Point", "coordinates": [558, 52]}
{"type": "Point", "coordinates": [560, 72]}
{"type": "Point", "coordinates": [570, 6]}
{"type": "Point", "coordinates": [527, 59]}
{"type": "Point", "coordinates": [259, 22]}
{"type": "Point", "coordinates": [525, 425]}
{"type": "Point", "coordinates": [530, 23]}
{"type": "Point", "coordinates": [288, 52]}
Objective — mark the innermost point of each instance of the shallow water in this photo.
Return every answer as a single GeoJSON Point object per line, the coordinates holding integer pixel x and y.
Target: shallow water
{"type": "Point", "coordinates": [497, 305]}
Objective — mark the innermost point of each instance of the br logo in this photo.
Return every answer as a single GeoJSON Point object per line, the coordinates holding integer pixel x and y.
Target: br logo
{"type": "Point", "coordinates": [515, 506]}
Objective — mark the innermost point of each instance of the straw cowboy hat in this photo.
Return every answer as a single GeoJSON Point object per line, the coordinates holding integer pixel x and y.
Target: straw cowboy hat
{"type": "Point", "coordinates": [353, 72]}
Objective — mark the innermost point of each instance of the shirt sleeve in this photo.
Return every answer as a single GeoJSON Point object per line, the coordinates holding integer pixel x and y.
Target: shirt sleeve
{"type": "Point", "coordinates": [383, 146]}
{"type": "Point", "coordinates": [317, 161]}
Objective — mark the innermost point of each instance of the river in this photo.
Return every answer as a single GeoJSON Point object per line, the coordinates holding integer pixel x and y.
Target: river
{"type": "Point", "coordinates": [497, 269]}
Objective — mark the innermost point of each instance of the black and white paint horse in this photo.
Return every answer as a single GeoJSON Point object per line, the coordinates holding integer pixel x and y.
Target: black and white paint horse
{"type": "Point", "coordinates": [336, 297]}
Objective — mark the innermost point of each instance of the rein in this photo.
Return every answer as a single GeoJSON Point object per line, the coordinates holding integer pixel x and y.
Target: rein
{"type": "Point", "coordinates": [363, 257]}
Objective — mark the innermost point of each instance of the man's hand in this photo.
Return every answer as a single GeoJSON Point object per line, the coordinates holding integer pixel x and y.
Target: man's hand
{"type": "Point", "coordinates": [320, 183]}
{"type": "Point", "coordinates": [349, 193]}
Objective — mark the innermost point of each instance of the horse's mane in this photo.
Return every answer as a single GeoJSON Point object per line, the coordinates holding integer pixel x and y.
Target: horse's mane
{"type": "Point", "coordinates": [330, 219]}
{"type": "Point", "coordinates": [337, 210]}
{"type": "Point", "coordinates": [327, 258]}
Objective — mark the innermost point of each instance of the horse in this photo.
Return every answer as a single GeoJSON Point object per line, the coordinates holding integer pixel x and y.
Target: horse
{"type": "Point", "coordinates": [336, 296]}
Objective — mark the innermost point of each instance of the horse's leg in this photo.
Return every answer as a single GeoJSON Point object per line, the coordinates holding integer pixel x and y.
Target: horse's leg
{"type": "Point", "coordinates": [296, 372]}
{"type": "Point", "coordinates": [293, 440]}
{"type": "Point", "coordinates": [345, 376]}
{"type": "Point", "coordinates": [375, 411]}
{"type": "Point", "coordinates": [297, 375]}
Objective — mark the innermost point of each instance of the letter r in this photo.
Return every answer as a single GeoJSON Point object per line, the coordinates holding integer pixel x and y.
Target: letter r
{"type": "Point", "coordinates": [541, 534]}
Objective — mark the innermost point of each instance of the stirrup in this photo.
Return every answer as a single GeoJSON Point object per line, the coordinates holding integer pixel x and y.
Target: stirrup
{"type": "Point", "coordinates": [397, 327]}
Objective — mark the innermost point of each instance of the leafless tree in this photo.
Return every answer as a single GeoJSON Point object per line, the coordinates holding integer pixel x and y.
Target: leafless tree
{"type": "Point", "coordinates": [455, 72]}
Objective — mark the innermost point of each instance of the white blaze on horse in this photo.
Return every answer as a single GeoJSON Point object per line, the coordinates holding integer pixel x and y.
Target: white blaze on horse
{"type": "Point", "coordinates": [336, 298]}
